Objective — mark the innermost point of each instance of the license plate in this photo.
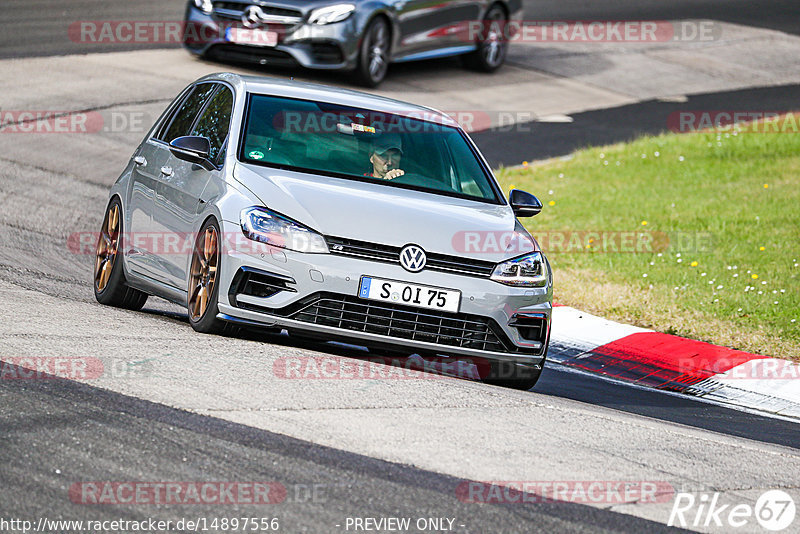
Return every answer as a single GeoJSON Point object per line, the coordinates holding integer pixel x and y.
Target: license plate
{"type": "Point", "coordinates": [432, 298]}
{"type": "Point", "coordinates": [250, 37]}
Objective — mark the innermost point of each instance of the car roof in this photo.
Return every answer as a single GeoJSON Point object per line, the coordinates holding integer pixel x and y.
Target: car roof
{"type": "Point", "coordinates": [329, 94]}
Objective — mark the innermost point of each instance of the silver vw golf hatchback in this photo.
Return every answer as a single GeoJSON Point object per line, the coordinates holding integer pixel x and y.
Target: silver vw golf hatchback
{"type": "Point", "coordinates": [332, 214]}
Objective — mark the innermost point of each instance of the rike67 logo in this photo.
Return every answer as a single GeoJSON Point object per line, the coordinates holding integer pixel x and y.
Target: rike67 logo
{"type": "Point", "coordinates": [774, 511]}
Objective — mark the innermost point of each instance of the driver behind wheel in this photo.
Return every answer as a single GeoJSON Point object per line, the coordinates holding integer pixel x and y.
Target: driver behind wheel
{"type": "Point", "coordinates": [387, 150]}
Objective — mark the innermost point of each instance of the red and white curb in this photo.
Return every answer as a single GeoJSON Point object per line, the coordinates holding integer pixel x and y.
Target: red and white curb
{"type": "Point", "coordinates": [662, 361]}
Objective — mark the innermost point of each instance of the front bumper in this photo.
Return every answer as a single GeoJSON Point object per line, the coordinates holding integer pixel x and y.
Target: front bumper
{"type": "Point", "coordinates": [327, 47]}
{"type": "Point", "coordinates": [494, 320]}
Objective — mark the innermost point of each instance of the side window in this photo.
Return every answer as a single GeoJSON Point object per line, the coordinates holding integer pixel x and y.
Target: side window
{"type": "Point", "coordinates": [169, 113]}
{"type": "Point", "coordinates": [184, 117]}
{"type": "Point", "coordinates": [215, 121]}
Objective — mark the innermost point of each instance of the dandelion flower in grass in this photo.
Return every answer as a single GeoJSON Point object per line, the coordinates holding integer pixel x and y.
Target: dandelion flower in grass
{"type": "Point", "coordinates": [753, 276]}
{"type": "Point", "coordinates": [656, 153]}
{"type": "Point", "coordinates": [693, 264]}
{"type": "Point", "coordinates": [766, 186]}
{"type": "Point", "coordinates": [605, 162]}
{"type": "Point", "coordinates": [680, 158]}
{"type": "Point", "coordinates": [561, 175]}
{"type": "Point", "coordinates": [762, 249]}
{"type": "Point", "coordinates": [602, 155]}
{"type": "Point", "coordinates": [551, 203]}
{"type": "Point", "coordinates": [644, 223]}
{"type": "Point", "coordinates": [524, 163]}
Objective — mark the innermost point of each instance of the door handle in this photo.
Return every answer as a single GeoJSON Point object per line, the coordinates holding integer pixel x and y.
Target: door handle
{"type": "Point", "coordinates": [140, 160]}
{"type": "Point", "coordinates": [166, 171]}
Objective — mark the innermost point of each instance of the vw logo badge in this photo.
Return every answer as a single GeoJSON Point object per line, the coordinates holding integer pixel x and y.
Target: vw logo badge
{"type": "Point", "coordinates": [413, 258]}
{"type": "Point", "coordinates": [252, 16]}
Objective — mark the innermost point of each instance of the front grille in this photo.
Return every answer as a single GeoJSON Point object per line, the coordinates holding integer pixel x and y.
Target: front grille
{"type": "Point", "coordinates": [404, 322]}
{"type": "Point", "coordinates": [235, 10]}
{"type": "Point", "coordinates": [391, 254]}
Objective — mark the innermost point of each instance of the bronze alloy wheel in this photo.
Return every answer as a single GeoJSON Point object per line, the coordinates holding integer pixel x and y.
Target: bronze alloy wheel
{"type": "Point", "coordinates": [107, 245]}
{"type": "Point", "coordinates": [204, 272]}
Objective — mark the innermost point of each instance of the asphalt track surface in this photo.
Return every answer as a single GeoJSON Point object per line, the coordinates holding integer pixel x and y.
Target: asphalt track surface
{"type": "Point", "coordinates": [95, 435]}
{"type": "Point", "coordinates": [540, 140]}
{"type": "Point", "coordinates": [55, 432]}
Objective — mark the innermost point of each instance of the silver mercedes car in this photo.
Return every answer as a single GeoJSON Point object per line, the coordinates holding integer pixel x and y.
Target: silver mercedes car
{"type": "Point", "coordinates": [327, 213]}
{"type": "Point", "coordinates": [362, 36]}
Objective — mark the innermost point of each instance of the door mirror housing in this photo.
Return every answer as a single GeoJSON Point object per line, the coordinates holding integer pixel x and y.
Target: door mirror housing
{"type": "Point", "coordinates": [523, 203]}
{"type": "Point", "coordinates": [192, 148]}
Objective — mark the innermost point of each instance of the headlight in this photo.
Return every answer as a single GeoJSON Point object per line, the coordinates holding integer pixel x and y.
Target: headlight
{"type": "Point", "coordinates": [204, 5]}
{"type": "Point", "coordinates": [261, 224]}
{"type": "Point", "coordinates": [529, 271]}
{"type": "Point", "coordinates": [329, 14]}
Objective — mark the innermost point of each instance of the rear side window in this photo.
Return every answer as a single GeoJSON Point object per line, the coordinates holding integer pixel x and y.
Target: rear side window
{"type": "Point", "coordinates": [186, 113]}
{"type": "Point", "coordinates": [215, 121]}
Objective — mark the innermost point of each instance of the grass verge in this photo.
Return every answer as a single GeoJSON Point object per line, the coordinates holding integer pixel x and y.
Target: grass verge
{"type": "Point", "coordinates": [696, 235]}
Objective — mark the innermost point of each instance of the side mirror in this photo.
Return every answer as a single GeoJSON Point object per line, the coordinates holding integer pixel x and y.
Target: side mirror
{"type": "Point", "coordinates": [191, 148]}
{"type": "Point", "coordinates": [524, 204]}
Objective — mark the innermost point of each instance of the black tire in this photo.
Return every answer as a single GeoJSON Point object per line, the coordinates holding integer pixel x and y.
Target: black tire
{"type": "Point", "coordinates": [110, 286]}
{"type": "Point", "coordinates": [513, 375]}
{"type": "Point", "coordinates": [373, 58]}
{"type": "Point", "coordinates": [205, 321]}
{"type": "Point", "coordinates": [492, 42]}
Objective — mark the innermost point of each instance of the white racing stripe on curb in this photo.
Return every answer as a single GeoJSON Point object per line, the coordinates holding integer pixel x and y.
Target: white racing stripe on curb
{"type": "Point", "coordinates": [768, 385]}
{"type": "Point", "coordinates": [574, 332]}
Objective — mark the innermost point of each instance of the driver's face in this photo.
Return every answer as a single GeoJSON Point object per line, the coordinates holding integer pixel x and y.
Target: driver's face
{"type": "Point", "coordinates": [383, 163]}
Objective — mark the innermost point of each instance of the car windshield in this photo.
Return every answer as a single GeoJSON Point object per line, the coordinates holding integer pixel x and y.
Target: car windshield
{"type": "Point", "coordinates": [345, 142]}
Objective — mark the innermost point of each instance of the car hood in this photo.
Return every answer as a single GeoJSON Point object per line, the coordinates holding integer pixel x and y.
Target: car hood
{"type": "Point", "coordinates": [389, 215]}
